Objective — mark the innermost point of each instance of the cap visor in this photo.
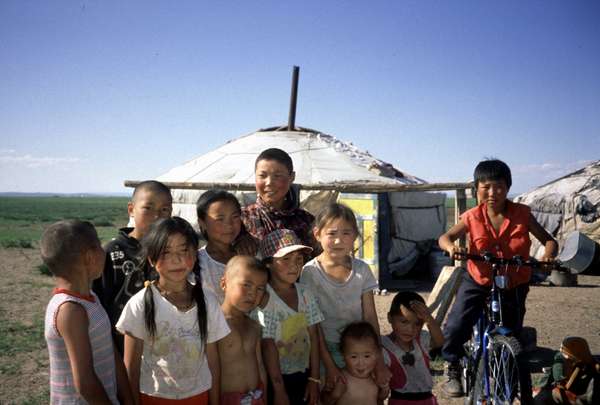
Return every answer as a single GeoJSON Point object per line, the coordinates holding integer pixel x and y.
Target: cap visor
{"type": "Point", "coordinates": [289, 249]}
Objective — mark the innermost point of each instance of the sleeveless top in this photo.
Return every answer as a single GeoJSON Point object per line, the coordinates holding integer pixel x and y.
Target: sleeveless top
{"type": "Point", "coordinates": [414, 377]}
{"type": "Point", "coordinates": [511, 240]}
{"type": "Point", "coordinates": [62, 387]}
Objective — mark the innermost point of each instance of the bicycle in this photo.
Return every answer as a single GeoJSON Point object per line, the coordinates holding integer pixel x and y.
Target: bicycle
{"type": "Point", "coordinates": [494, 371]}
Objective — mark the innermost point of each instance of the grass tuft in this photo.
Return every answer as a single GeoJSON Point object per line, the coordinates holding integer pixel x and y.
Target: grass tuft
{"type": "Point", "coordinates": [44, 270]}
{"type": "Point", "coordinates": [22, 243]}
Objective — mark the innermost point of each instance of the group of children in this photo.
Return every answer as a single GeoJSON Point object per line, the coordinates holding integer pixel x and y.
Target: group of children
{"type": "Point", "coordinates": [273, 309]}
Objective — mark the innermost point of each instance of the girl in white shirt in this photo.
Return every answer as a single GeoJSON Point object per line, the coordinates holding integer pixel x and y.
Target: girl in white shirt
{"type": "Point", "coordinates": [219, 219]}
{"type": "Point", "coordinates": [171, 326]}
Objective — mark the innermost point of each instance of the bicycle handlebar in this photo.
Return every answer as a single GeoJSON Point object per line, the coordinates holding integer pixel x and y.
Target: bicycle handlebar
{"type": "Point", "coordinates": [514, 261]}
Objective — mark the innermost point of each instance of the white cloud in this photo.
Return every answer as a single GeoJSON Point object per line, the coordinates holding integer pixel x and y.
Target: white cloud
{"type": "Point", "coordinates": [550, 170]}
{"type": "Point", "coordinates": [10, 157]}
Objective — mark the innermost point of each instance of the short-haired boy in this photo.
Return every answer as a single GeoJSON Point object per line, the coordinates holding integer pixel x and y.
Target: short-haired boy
{"type": "Point", "coordinates": [277, 202]}
{"type": "Point", "coordinates": [84, 368]}
{"type": "Point", "coordinates": [124, 274]}
{"type": "Point", "coordinates": [243, 375]}
{"type": "Point", "coordinates": [502, 228]}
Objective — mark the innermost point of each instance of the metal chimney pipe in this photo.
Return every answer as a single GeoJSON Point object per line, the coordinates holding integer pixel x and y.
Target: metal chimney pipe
{"type": "Point", "coordinates": [293, 99]}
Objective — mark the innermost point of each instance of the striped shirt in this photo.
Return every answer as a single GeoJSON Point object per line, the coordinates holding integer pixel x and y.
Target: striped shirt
{"type": "Point", "coordinates": [62, 387]}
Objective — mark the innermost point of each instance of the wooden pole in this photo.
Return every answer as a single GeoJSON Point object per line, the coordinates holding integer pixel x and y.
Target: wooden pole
{"type": "Point", "coordinates": [342, 187]}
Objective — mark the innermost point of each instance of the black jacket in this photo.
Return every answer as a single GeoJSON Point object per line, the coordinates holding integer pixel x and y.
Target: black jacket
{"type": "Point", "coordinates": [123, 276]}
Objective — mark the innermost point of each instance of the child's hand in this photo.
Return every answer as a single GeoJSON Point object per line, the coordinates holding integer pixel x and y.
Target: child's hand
{"type": "Point", "coordinates": [332, 377]}
{"type": "Point", "coordinates": [311, 395]}
{"type": "Point", "coordinates": [338, 390]}
{"type": "Point", "coordinates": [421, 311]}
{"type": "Point", "coordinates": [550, 260]}
{"type": "Point", "coordinates": [280, 398]}
{"type": "Point", "coordinates": [453, 250]}
{"type": "Point", "coordinates": [382, 375]}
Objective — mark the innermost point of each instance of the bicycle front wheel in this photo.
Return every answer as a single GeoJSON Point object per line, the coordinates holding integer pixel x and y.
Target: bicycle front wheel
{"type": "Point", "coordinates": [508, 379]}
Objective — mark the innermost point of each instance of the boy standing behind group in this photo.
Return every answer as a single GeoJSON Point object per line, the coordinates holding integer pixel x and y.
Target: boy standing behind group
{"type": "Point", "coordinates": [243, 375]}
{"type": "Point", "coordinates": [124, 274]}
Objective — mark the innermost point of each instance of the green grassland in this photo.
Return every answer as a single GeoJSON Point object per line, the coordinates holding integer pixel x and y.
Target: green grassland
{"type": "Point", "coordinates": [23, 219]}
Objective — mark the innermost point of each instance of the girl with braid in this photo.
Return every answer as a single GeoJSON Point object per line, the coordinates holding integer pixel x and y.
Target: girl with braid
{"type": "Point", "coordinates": [172, 326]}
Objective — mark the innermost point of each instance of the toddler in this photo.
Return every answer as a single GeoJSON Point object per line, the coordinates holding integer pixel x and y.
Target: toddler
{"type": "Point", "coordinates": [359, 344]}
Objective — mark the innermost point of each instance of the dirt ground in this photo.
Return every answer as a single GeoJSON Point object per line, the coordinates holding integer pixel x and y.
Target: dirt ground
{"type": "Point", "coordinates": [555, 312]}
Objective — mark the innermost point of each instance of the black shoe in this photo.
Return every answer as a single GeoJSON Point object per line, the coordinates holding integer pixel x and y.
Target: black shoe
{"type": "Point", "coordinates": [453, 386]}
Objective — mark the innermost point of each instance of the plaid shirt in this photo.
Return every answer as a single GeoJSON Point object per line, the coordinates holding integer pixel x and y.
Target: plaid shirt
{"type": "Point", "coordinates": [260, 220]}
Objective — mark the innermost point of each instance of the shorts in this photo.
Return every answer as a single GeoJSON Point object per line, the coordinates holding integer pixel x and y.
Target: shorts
{"type": "Point", "coordinates": [252, 397]}
{"type": "Point", "coordinates": [200, 399]}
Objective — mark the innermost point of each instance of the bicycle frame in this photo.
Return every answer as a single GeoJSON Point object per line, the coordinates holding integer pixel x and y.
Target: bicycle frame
{"type": "Point", "coordinates": [490, 324]}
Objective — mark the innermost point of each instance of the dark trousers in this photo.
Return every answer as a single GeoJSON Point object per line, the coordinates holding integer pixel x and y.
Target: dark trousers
{"type": "Point", "coordinates": [468, 306]}
{"type": "Point", "coordinates": [295, 386]}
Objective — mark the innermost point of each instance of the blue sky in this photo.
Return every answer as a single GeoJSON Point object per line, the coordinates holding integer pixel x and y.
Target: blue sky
{"type": "Point", "coordinates": [92, 93]}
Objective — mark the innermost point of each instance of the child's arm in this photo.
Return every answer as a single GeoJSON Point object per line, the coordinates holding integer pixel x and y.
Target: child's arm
{"type": "Point", "coordinates": [132, 357]}
{"type": "Point", "coordinates": [382, 373]}
{"type": "Point", "coordinates": [311, 396]}
{"type": "Point", "coordinates": [550, 245]}
{"type": "Point", "coordinates": [123, 388]}
{"type": "Point", "coordinates": [422, 312]}
{"type": "Point", "coordinates": [330, 397]}
{"type": "Point", "coordinates": [446, 241]}
{"type": "Point", "coordinates": [332, 372]}
{"type": "Point", "coordinates": [271, 357]}
{"type": "Point", "coordinates": [214, 364]}
{"type": "Point", "coordinates": [262, 371]}
{"type": "Point", "coordinates": [383, 393]}
{"type": "Point", "coordinates": [72, 324]}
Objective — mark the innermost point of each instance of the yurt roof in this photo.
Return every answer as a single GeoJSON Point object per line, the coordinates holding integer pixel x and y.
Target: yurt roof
{"type": "Point", "coordinates": [318, 158]}
{"type": "Point", "coordinates": [547, 198]}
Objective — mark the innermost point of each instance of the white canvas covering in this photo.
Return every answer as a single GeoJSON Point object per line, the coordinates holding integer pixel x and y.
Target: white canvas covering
{"type": "Point", "coordinates": [567, 204]}
{"type": "Point", "coordinates": [318, 159]}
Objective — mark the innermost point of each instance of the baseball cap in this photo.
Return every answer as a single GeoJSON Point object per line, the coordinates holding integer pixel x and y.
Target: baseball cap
{"type": "Point", "coordinates": [279, 243]}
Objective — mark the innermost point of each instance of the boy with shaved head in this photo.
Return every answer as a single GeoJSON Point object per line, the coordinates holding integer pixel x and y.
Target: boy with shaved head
{"type": "Point", "coordinates": [83, 365]}
{"type": "Point", "coordinates": [124, 274]}
{"type": "Point", "coordinates": [243, 376]}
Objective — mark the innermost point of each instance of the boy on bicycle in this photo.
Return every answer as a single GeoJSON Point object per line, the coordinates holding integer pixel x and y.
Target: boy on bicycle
{"type": "Point", "coordinates": [501, 227]}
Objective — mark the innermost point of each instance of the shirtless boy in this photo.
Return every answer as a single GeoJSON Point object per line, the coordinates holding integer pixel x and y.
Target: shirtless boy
{"type": "Point", "coordinates": [243, 376]}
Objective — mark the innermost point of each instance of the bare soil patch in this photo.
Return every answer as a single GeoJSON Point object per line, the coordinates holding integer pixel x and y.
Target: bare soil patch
{"type": "Point", "coordinates": [23, 355]}
{"type": "Point", "coordinates": [555, 313]}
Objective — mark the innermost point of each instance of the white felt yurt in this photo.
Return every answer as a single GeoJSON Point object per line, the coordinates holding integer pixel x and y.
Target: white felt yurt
{"type": "Point", "coordinates": [570, 203]}
{"type": "Point", "coordinates": [403, 223]}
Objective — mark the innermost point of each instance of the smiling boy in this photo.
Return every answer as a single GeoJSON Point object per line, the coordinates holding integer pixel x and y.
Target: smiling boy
{"type": "Point", "coordinates": [277, 205]}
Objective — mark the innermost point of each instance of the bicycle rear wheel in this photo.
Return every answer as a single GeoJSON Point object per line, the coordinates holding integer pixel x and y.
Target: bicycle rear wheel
{"type": "Point", "coordinates": [507, 374]}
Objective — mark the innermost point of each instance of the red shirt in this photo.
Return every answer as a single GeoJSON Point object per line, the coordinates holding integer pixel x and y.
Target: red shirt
{"type": "Point", "coordinates": [512, 240]}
